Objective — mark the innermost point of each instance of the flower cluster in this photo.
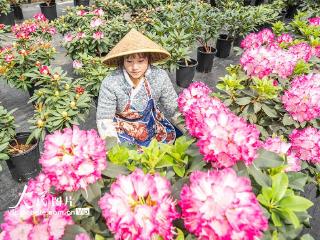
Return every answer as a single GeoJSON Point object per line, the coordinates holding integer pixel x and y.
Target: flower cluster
{"type": "Point", "coordinates": [302, 99]}
{"type": "Point", "coordinates": [263, 61]}
{"type": "Point", "coordinates": [224, 138]}
{"type": "Point", "coordinates": [314, 21]}
{"type": "Point", "coordinates": [38, 26]}
{"type": "Point", "coordinates": [73, 158]}
{"type": "Point", "coordinates": [281, 147]}
{"type": "Point", "coordinates": [139, 206]}
{"type": "Point", "coordinates": [38, 215]}
{"type": "Point", "coordinates": [255, 40]}
{"type": "Point", "coordinates": [305, 144]}
{"type": "Point", "coordinates": [302, 51]}
{"type": "Point", "coordinates": [221, 205]}
{"type": "Point", "coordinates": [82, 236]}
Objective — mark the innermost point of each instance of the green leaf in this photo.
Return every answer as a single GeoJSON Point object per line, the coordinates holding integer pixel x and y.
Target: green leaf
{"type": "Point", "coordinates": [257, 107]}
{"type": "Point", "coordinates": [270, 112]}
{"type": "Point", "coordinates": [295, 203]}
{"type": "Point", "coordinates": [243, 101]}
{"type": "Point", "coordinates": [261, 178]}
{"type": "Point", "coordinates": [179, 170]}
{"type": "Point", "coordinates": [291, 216]}
{"type": "Point", "coordinates": [98, 237]}
{"type": "Point", "coordinates": [297, 180]}
{"type": "Point", "coordinates": [280, 183]}
{"type": "Point", "coordinates": [276, 219]}
{"type": "Point", "coordinates": [166, 161]}
{"type": "Point", "coordinates": [71, 231]}
{"type": "Point", "coordinates": [113, 170]}
{"type": "Point", "coordinates": [267, 159]}
{"type": "Point", "coordinates": [180, 235]}
{"type": "Point", "coordinates": [306, 237]}
{"type": "Point", "coordinates": [92, 193]}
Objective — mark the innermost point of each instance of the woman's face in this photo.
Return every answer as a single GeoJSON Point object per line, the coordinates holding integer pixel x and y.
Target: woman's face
{"type": "Point", "coordinates": [136, 65]}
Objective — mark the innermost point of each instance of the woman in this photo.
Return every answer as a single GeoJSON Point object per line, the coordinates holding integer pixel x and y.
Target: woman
{"type": "Point", "coordinates": [129, 98]}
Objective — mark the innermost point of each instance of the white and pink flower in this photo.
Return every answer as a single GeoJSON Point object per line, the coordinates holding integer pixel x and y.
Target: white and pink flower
{"type": "Point", "coordinates": [77, 64]}
{"type": "Point", "coordinates": [221, 205]}
{"type": "Point", "coordinates": [305, 144]}
{"type": "Point", "coordinates": [96, 22]}
{"type": "Point", "coordinates": [68, 37]}
{"type": "Point", "coordinates": [40, 17]}
{"type": "Point", "coordinates": [73, 158]}
{"type": "Point", "coordinates": [302, 99]}
{"type": "Point", "coordinates": [98, 35]}
{"type": "Point", "coordinates": [139, 207]}
{"type": "Point", "coordinates": [314, 21]}
{"type": "Point", "coordinates": [99, 12]}
{"type": "Point", "coordinates": [44, 70]}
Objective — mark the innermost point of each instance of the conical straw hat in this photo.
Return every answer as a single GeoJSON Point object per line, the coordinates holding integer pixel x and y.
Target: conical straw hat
{"type": "Point", "coordinates": [135, 42]}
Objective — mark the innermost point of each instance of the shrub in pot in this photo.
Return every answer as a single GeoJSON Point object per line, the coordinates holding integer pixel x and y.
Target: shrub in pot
{"type": "Point", "coordinates": [177, 37]}
{"type": "Point", "coordinates": [91, 72]}
{"type": "Point", "coordinates": [96, 39]}
{"type": "Point", "coordinates": [210, 26]}
{"type": "Point", "coordinates": [59, 102]}
{"type": "Point", "coordinates": [16, 61]}
{"type": "Point", "coordinates": [6, 13]}
{"type": "Point", "coordinates": [21, 157]}
{"type": "Point", "coordinates": [185, 72]}
{"type": "Point", "coordinates": [49, 9]}
{"type": "Point", "coordinates": [17, 11]}
{"type": "Point", "coordinates": [84, 3]}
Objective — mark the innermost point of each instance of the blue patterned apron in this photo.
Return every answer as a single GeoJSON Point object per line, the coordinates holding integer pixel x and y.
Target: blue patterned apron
{"type": "Point", "coordinates": [140, 127]}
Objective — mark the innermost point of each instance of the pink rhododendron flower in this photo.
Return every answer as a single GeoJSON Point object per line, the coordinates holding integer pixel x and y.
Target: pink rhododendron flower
{"type": "Point", "coordinates": [316, 51]}
{"type": "Point", "coordinates": [281, 147]}
{"type": "Point", "coordinates": [96, 22]}
{"type": "Point", "coordinates": [52, 30]}
{"type": "Point", "coordinates": [302, 51]}
{"type": "Point", "coordinates": [81, 13]}
{"type": "Point", "coordinates": [284, 38]}
{"type": "Point", "coordinates": [139, 207]}
{"type": "Point", "coordinates": [81, 35]}
{"type": "Point", "coordinates": [68, 37]}
{"type": "Point", "coordinates": [255, 40]}
{"type": "Point", "coordinates": [99, 12]}
{"type": "Point", "coordinates": [98, 35]}
{"type": "Point", "coordinates": [38, 216]}
{"type": "Point", "coordinates": [82, 236]}
{"type": "Point", "coordinates": [9, 58]}
{"type": "Point", "coordinates": [44, 70]}
{"type": "Point", "coordinates": [224, 138]}
{"type": "Point", "coordinates": [77, 64]}
{"type": "Point", "coordinates": [221, 205]}
{"type": "Point", "coordinates": [191, 94]}
{"type": "Point", "coordinates": [305, 144]}
{"type": "Point", "coordinates": [314, 21]}
{"type": "Point", "coordinates": [40, 17]}
{"type": "Point", "coordinates": [263, 61]}
{"type": "Point", "coordinates": [73, 158]}
{"type": "Point", "coordinates": [302, 99]}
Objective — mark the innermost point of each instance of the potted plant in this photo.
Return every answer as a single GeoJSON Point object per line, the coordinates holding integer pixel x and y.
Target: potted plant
{"type": "Point", "coordinates": [92, 72]}
{"type": "Point", "coordinates": [15, 5]}
{"type": "Point", "coordinates": [22, 58]}
{"type": "Point", "coordinates": [21, 157]}
{"type": "Point", "coordinates": [59, 101]}
{"type": "Point", "coordinates": [6, 13]}
{"type": "Point", "coordinates": [178, 38]}
{"type": "Point", "coordinates": [210, 26]}
{"type": "Point", "coordinates": [49, 9]}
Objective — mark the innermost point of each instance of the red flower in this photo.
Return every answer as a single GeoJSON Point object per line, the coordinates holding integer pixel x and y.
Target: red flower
{"type": "Point", "coordinates": [79, 90]}
{"type": "Point", "coordinates": [2, 26]}
{"type": "Point", "coordinates": [44, 70]}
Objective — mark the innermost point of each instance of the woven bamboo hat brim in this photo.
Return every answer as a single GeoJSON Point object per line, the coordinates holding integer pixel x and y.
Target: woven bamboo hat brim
{"type": "Point", "coordinates": [135, 42]}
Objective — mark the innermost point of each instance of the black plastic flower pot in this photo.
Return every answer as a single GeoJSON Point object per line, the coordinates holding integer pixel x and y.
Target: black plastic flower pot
{"type": "Point", "coordinates": [50, 12]}
{"type": "Point", "coordinates": [24, 166]}
{"type": "Point", "coordinates": [205, 59]}
{"type": "Point", "coordinates": [81, 2]}
{"type": "Point", "coordinates": [185, 73]}
{"type": "Point", "coordinates": [237, 41]}
{"type": "Point", "coordinates": [7, 19]}
{"type": "Point", "coordinates": [213, 3]}
{"type": "Point", "coordinates": [258, 2]}
{"type": "Point", "coordinates": [17, 11]}
{"type": "Point", "coordinates": [291, 11]}
{"type": "Point", "coordinates": [223, 45]}
{"type": "Point", "coordinates": [246, 2]}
